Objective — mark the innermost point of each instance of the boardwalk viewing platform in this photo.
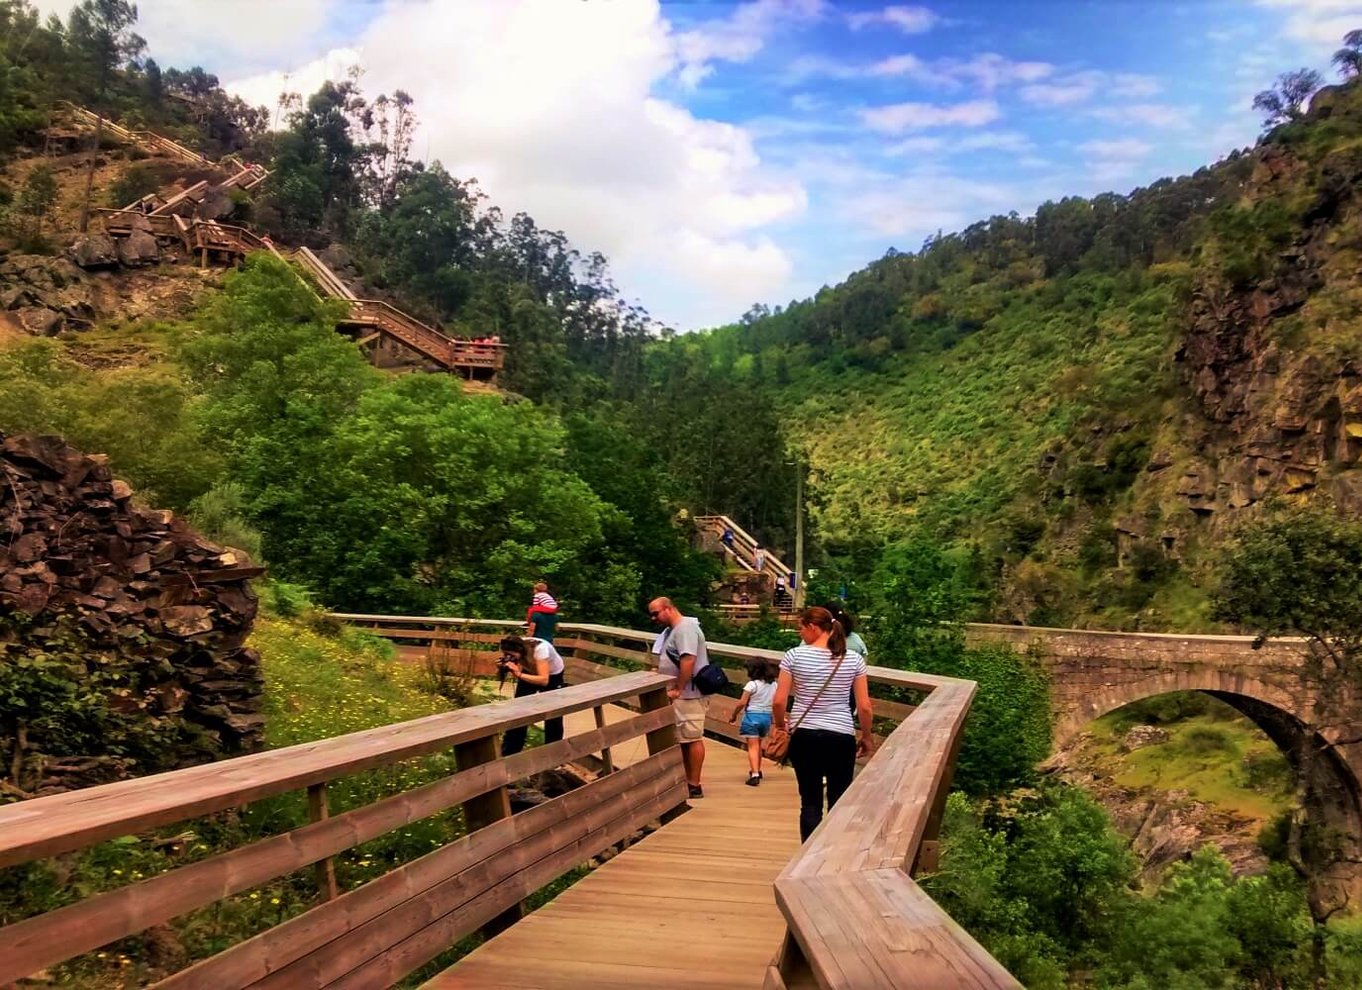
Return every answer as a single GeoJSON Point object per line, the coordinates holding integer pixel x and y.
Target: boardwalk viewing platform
{"type": "Point", "coordinates": [722, 894]}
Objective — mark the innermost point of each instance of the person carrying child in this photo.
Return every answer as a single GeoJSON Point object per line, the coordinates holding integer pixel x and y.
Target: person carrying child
{"type": "Point", "coordinates": [755, 708]}
{"type": "Point", "coordinates": [541, 620]}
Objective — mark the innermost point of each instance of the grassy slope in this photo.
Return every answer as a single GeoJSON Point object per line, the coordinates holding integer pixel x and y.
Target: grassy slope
{"type": "Point", "coordinates": [951, 440]}
{"type": "Point", "coordinates": [1219, 759]}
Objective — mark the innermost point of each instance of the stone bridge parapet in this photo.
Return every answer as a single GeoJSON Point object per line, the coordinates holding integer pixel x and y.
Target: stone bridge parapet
{"type": "Point", "coordinates": [1095, 672]}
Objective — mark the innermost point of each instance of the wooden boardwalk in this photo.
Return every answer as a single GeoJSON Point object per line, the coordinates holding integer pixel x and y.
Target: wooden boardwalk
{"type": "Point", "coordinates": [690, 906]}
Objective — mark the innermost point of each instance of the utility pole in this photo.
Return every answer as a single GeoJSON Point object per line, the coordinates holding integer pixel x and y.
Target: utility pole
{"type": "Point", "coordinates": [799, 535]}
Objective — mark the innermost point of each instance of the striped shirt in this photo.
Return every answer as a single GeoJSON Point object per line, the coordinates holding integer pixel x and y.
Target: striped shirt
{"type": "Point", "coordinates": [810, 666]}
{"type": "Point", "coordinates": [542, 599]}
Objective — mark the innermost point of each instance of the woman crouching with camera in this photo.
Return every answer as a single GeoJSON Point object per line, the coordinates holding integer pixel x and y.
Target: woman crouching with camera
{"type": "Point", "coordinates": [536, 666]}
{"type": "Point", "coordinates": [821, 674]}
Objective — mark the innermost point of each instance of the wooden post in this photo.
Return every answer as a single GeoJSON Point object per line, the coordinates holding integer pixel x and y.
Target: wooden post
{"type": "Point", "coordinates": [789, 967]}
{"type": "Point", "coordinates": [485, 809]}
{"type": "Point", "coordinates": [929, 849]}
{"type": "Point", "coordinates": [661, 739]}
{"type": "Point", "coordinates": [318, 810]}
{"type": "Point", "coordinates": [606, 757]}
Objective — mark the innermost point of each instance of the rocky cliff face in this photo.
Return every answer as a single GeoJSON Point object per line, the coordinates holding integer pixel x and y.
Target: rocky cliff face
{"type": "Point", "coordinates": [1272, 363]}
{"type": "Point", "coordinates": [113, 614]}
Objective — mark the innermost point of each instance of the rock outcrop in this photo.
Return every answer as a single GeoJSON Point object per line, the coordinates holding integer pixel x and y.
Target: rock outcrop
{"type": "Point", "coordinates": [158, 614]}
{"type": "Point", "coordinates": [43, 296]}
{"type": "Point", "coordinates": [1279, 414]}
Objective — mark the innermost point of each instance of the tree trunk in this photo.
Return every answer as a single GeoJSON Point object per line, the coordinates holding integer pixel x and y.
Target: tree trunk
{"type": "Point", "coordinates": [90, 174]}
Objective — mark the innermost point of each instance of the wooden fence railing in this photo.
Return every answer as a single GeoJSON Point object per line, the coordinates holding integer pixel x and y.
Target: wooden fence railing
{"type": "Point", "coordinates": [856, 919]}
{"type": "Point", "coordinates": [376, 933]}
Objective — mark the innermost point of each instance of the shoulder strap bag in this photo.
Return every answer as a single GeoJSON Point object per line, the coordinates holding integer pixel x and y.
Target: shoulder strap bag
{"type": "Point", "coordinates": [776, 745]}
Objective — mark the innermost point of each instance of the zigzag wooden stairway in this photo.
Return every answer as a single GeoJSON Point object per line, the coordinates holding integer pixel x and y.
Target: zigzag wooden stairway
{"type": "Point", "coordinates": [172, 217]}
{"type": "Point", "coordinates": [373, 319]}
{"type": "Point", "coordinates": [721, 895]}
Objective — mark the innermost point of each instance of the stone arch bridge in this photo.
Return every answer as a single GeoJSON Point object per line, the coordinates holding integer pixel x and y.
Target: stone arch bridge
{"type": "Point", "coordinates": [1093, 673]}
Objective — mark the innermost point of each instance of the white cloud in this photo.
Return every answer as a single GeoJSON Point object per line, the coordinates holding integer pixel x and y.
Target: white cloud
{"type": "Point", "coordinates": [1318, 24]}
{"type": "Point", "coordinates": [1126, 148]}
{"type": "Point", "coordinates": [1149, 114]}
{"type": "Point", "coordinates": [1080, 87]}
{"type": "Point", "coordinates": [1132, 86]}
{"type": "Point", "coordinates": [925, 201]}
{"type": "Point", "coordinates": [1073, 89]}
{"type": "Point", "coordinates": [550, 106]}
{"type": "Point", "coordinates": [264, 88]}
{"type": "Point", "coordinates": [990, 70]}
{"type": "Point", "coordinates": [185, 32]}
{"type": "Point", "coordinates": [909, 20]}
{"type": "Point", "coordinates": [899, 117]}
{"type": "Point", "coordinates": [900, 65]}
{"type": "Point", "coordinates": [738, 37]}
{"type": "Point", "coordinates": [1006, 141]}
{"type": "Point", "coordinates": [986, 71]}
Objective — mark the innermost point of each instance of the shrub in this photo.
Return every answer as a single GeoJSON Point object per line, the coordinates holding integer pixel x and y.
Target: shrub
{"type": "Point", "coordinates": [135, 182]}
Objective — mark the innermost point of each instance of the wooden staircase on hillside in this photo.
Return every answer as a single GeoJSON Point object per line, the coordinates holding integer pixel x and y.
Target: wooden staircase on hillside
{"type": "Point", "coordinates": [741, 555]}
{"type": "Point", "coordinates": [375, 320]}
{"type": "Point", "coordinates": [171, 218]}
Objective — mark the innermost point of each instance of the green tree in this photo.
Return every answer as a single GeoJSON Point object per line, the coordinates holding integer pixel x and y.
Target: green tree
{"type": "Point", "coordinates": [1348, 59]}
{"type": "Point", "coordinates": [1285, 102]}
{"type": "Point", "coordinates": [1300, 573]}
{"type": "Point", "coordinates": [100, 32]}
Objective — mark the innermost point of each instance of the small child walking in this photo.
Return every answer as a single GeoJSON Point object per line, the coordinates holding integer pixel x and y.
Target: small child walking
{"type": "Point", "coordinates": [755, 709]}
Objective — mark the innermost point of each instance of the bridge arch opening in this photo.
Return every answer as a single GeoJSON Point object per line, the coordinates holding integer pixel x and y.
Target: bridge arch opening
{"type": "Point", "coordinates": [1331, 794]}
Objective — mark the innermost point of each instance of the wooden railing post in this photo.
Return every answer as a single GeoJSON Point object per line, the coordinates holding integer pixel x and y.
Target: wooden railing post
{"type": "Point", "coordinates": [606, 758]}
{"type": "Point", "coordinates": [485, 809]}
{"type": "Point", "coordinates": [660, 739]}
{"type": "Point", "coordinates": [318, 809]}
{"type": "Point", "coordinates": [928, 856]}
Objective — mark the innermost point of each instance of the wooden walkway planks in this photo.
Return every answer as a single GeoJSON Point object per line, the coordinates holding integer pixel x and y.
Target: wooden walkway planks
{"type": "Point", "coordinates": [690, 906]}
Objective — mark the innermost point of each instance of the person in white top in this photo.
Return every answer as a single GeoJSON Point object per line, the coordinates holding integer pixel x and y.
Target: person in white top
{"type": "Point", "coordinates": [755, 709]}
{"type": "Point", "coordinates": [820, 675]}
{"type": "Point", "coordinates": [536, 666]}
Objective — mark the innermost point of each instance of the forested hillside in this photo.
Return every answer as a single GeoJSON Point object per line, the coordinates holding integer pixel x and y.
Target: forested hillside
{"type": "Point", "coordinates": [1084, 402]}
{"type": "Point", "coordinates": [245, 411]}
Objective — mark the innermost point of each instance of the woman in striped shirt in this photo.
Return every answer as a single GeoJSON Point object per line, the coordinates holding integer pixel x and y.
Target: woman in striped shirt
{"type": "Point", "coordinates": [821, 674]}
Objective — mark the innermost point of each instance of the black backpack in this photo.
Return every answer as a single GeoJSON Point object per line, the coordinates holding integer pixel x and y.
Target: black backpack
{"type": "Point", "coordinates": [710, 679]}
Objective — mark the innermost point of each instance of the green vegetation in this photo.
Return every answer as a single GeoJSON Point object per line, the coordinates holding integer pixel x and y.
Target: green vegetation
{"type": "Point", "coordinates": [1043, 881]}
{"type": "Point", "coordinates": [973, 420]}
{"type": "Point", "coordinates": [1212, 753]}
{"type": "Point", "coordinates": [398, 493]}
{"type": "Point", "coordinates": [321, 681]}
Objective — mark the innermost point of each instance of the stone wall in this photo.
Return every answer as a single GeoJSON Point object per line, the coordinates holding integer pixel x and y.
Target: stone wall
{"type": "Point", "coordinates": [158, 613]}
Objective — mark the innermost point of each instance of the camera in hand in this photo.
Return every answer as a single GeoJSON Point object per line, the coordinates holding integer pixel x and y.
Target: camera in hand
{"type": "Point", "coordinates": [504, 667]}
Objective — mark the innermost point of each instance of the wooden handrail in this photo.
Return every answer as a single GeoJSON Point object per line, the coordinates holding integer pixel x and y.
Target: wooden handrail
{"type": "Point", "coordinates": [427, 903]}
{"type": "Point", "coordinates": [856, 918]}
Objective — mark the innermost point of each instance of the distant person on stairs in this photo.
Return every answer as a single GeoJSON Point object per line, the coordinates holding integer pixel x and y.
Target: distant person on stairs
{"type": "Point", "coordinates": [681, 652]}
{"type": "Point", "coordinates": [758, 559]}
{"type": "Point", "coordinates": [536, 666]}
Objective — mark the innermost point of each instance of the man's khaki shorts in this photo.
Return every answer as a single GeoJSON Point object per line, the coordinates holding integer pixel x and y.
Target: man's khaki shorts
{"type": "Point", "coordinates": [690, 718]}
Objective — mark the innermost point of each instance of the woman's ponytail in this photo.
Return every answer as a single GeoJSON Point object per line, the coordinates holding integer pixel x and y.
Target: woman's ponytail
{"type": "Point", "coordinates": [837, 641]}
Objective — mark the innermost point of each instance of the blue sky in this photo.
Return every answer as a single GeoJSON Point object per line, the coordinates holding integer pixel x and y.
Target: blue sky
{"type": "Point", "coordinates": [728, 153]}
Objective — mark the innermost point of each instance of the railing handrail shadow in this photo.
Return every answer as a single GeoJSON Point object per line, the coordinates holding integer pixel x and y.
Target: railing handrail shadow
{"type": "Point", "coordinates": [378, 932]}
{"type": "Point", "coordinates": [856, 918]}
